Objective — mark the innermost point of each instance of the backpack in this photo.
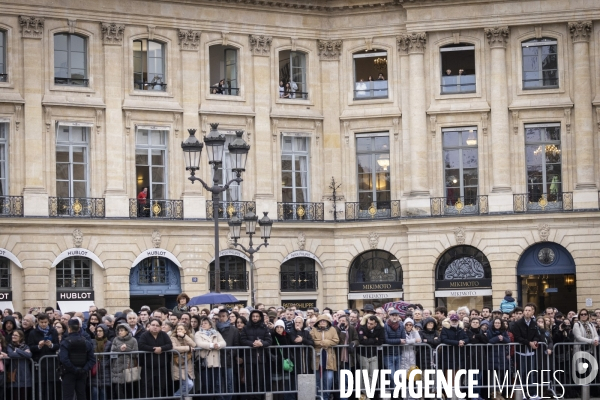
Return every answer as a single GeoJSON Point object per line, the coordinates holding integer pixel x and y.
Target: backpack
{"type": "Point", "coordinates": [77, 351]}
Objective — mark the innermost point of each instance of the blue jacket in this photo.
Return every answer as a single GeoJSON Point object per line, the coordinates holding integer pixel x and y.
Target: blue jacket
{"type": "Point", "coordinates": [508, 304]}
{"type": "Point", "coordinates": [394, 337]}
{"type": "Point", "coordinates": [63, 354]}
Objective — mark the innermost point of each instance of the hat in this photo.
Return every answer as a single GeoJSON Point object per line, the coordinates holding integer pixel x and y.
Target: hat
{"type": "Point", "coordinates": [393, 311]}
{"type": "Point", "coordinates": [419, 325]}
{"type": "Point", "coordinates": [454, 317]}
{"type": "Point", "coordinates": [409, 321]}
{"type": "Point", "coordinates": [74, 322]}
{"type": "Point", "coordinates": [485, 322]}
{"type": "Point", "coordinates": [280, 323]}
{"type": "Point", "coordinates": [272, 314]}
{"type": "Point", "coordinates": [496, 310]}
{"type": "Point", "coordinates": [369, 308]}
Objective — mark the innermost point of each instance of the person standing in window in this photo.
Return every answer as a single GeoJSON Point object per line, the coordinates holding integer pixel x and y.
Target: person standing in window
{"type": "Point", "coordinates": [287, 91]}
{"type": "Point", "coordinates": [141, 199]}
{"type": "Point", "coordinates": [293, 89]}
{"type": "Point", "coordinates": [381, 77]}
{"type": "Point", "coordinates": [281, 89]}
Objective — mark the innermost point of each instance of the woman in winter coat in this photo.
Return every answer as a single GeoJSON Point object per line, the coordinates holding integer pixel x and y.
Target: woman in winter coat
{"type": "Point", "coordinates": [477, 355]}
{"type": "Point", "coordinates": [499, 356]}
{"type": "Point", "coordinates": [409, 353]}
{"type": "Point", "coordinates": [19, 354]}
{"type": "Point", "coordinates": [429, 335]}
{"type": "Point", "coordinates": [101, 382]}
{"type": "Point", "coordinates": [278, 355]}
{"type": "Point", "coordinates": [325, 337]}
{"type": "Point", "coordinates": [210, 341]}
{"type": "Point", "coordinates": [123, 343]}
{"type": "Point", "coordinates": [184, 344]}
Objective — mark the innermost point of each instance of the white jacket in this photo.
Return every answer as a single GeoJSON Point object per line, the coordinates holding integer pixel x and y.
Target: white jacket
{"type": "Point", "coordinates": [409, 353]}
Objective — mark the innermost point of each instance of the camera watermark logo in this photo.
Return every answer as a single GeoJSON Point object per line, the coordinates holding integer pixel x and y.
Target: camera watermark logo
{"type": "Point", "coordinates": [584, 364]}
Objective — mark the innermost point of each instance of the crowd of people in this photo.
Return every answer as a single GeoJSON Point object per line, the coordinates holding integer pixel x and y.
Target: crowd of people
{"type": "Point", "coordinates": [222, 352]}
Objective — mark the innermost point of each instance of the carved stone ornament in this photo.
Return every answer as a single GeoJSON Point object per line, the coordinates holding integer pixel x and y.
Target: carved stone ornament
{"type": "Point", "coordinates": [301, 241]}
{"type": "Point", "coordinates": [77, 238]}
{"type": "Point", "coordinates": [260, 45]}
{"type": "Point", "coordinates": [230, 241]}
{"type": "Point", "coordinates": [544, 231]}
{"type": "Point", "coordinates": [580, 31]}
{"type": "Point", "coordinates": [329, 49]}
{"type": "Point", "coordinates": [156, 239]}
{"type": "Point", "coordinates": [497, 37]}
{"type": "Point", "coordinates": [459, 234]}
{"type": "Point", "coordinates": [412, 43]}
{"type": "Point", "coordinates": [112, 33]}
{"type": "Point", "coordinates": [31, 27]}
{"type": "Point", "coordinates": [189, 39]}
{"type": "Point", "coordinates": [373, 240]}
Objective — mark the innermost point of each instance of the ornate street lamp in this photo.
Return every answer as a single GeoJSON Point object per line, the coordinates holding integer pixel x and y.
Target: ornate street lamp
{"type": "Point", "coordinates": [215, 144]}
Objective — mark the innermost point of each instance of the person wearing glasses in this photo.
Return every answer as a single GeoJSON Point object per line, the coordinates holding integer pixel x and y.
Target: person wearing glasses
{"type": "Point", "coordinates": [585, 332]}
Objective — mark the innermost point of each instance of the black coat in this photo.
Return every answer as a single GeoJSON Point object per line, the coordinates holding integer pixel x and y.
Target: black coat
{"type": "Point", "coordinates": [250, 333]}
{"type": "Point", "coordinates": [49, 365]}
{"type": "Point", "coordinates": [147, 342]}
{"type": "Point", "coordinates": [453, 357]}
{"type": "Point", "coordinates": [370, 338]}
{"type": "Point", "coordinates": [477, 354]}
{"type": "Point", "coordinates": [302, 357]}
{"type": "Point", "coordinates": [525, 334]}
{"type": "Point", "coordinates": [232, 337]}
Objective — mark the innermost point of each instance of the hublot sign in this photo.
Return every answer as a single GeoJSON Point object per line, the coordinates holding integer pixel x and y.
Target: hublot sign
{"type": "Point", "coordinates": [5, 296]}
{"type": "Point", "coordinates": [375, 286]}
{"type": "Point", "coordinates": [75, 295]}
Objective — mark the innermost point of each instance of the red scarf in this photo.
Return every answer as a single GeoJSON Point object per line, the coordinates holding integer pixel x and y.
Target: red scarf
{"type": "Point", "coordinates": [393, 325]}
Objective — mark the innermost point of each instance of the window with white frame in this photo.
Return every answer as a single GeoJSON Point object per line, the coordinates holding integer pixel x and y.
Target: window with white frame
{"type": "Point", "coordinates": [461, 175]}
{"type": "Point", "coordinates": [72, 153]}
{"type": "Point", "coordinates": [540, 63]}
{"type": "Point", "coordinates": [74, 272]}
{"type": "Point", "coordinates": [223, 70]}
{"type": "Point", "coordinates": [294, 169]}
{"type": "Point", "coordinates": [370, 74]}
{"type": "Point", "coordinates": [458, 68]}
{"type": "Point", "coordinates": [151, 162]}
{"type": "Point", "coordinates": [373, 168]}
{"type": "Point", "coordinates": [544, 161]}
{"type": "Point", "coordinates": [3, 159]}
{"type": "Point", "coordinates": [149, 65]}
{"type": "Point", "coordinates": [3, 73]}
{"type": "Point", "coordinates": [292, 75]}
{"type": "Point", "coordinates": [70, 59]}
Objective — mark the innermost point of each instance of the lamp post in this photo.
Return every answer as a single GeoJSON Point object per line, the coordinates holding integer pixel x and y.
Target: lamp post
{"type": "Point", "coordinates": [215, 143]}
{"type": "Point", "coordinates": [235, 225]}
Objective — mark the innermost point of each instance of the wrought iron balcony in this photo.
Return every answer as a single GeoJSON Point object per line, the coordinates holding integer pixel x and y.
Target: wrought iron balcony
{"type": "Point", "coordinates": [11, 206]}
{"type": "Point", "coordinates": [231, 281]}
{"type": "Point", "coordinates": [374, 210]}
{"type": "Point", "coordinates": [227, 208]}
{"type": "Point", "coordinates": [548, 202]}
{"type": "Point", "coordinates": [76, 207]}
{"type": "Point", "coordinates": [72, 81]}
{"type": "Point", "coordinates": [299, 281]}
{"type": "Point", "coordinates": [300, 211]}
{"type": "Point", "coordinates": [293, 95]}
{"type": "Point", "coordinates": [161, 209]}
{"type": "Point", "coordinates": [445, 206]}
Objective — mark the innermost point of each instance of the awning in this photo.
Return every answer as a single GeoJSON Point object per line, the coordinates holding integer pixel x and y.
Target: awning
{"type": "Point", "coordinates": [75, 306]}
{"type": "Point", "coordinates": [6, 304]}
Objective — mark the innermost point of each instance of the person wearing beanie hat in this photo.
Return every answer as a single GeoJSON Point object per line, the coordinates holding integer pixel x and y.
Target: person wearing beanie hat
{"type": "Point", "coordinates": [409, 354]}
{"type": "Point", "coordinates": [279, 323]}
{"type": "Point", "coordinates": [281, 338]}
{"type": "Point", "coordinates": [122, 343]}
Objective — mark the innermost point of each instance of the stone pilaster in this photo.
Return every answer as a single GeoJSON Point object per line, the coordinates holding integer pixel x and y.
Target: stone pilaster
{"type": "Point", "coordinates": [501, 193]}
{"type": "Point", "coordinates": [35, 192]}
{"type": "Point", "coordinates": [117, 203]}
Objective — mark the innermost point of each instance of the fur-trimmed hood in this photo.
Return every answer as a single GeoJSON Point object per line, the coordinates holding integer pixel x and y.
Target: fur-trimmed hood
{"type": "Point", "coordinates": [446, 324]}
{"type": "Point", "coordinates": [363, 320]}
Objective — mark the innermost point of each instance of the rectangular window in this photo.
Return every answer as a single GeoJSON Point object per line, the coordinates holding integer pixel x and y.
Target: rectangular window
{"type": "Point", "coordinates": [540, 65]}
{"type": "Point", "coordinates": [370, 75]}
{"type": "Point", "coordinates": [294, 169]}
{"type": "Point", "coordinates": [70, 60]}
{"type": "Point", "coordinates": [3, 159]}
{"type": "Point", "coordinates": [149, 65]}
{"type": "Point", "coordinates": [224, 70]}
{"type": "Point", "coordinates": [458, 69]}
{"type": "Point", "coordinates": [461, 165]}
{"type": "Point", "coordinates": [72, 161]}
{"type": "Point", "coordinates": [3, 75]}
{"type": "Point", "coordinates": [74, 272]}
{"type": "Point", "coordinates": [544, 161]}
{"type": "Point", "coordinates": [4, 273]}
{"type": "Point", "coordinates": [373, 168]}
{"type": "Point", "coordinates": [292, 75]}
{"type": "Point", "coordinates": [234, 193]}
{"type": "Point", "coordinates": [151, 162]}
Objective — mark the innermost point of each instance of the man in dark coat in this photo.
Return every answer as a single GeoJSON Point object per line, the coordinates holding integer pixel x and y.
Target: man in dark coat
{"type": "Point", "coordinates": [453, 334]}
{"type": "Point", "coordinates": [136, 329]}
{"type": "Point", "coordinates": [371, 335]}
{"type": "Point", "coordinates": [154, 371]}
{"type": "Point", "coordinates": [43, 341]}
{"type": "Point", "coordinates": [526, 333]}
{"type": "Point", "coordinates": [77, 358]}
{"type": "Point", "coordinates": [228, 357]}
{"type": "Point", "coordinates": [256, 335]}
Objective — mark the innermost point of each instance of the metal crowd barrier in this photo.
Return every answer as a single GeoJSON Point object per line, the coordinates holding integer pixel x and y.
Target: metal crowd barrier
{"type": "Point", "coordinates": [18, 380]}
{"type": "Point", "coordinates": [569, 360]}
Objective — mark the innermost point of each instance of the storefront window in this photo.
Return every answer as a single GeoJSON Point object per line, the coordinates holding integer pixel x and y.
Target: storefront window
{"type": "Point", "coordinates": [4, 273]}
{"type": "Point", "coordinates": [74, 272]}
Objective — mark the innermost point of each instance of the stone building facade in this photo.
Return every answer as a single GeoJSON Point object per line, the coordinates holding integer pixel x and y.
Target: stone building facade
{"type": "Point", "coordinates": [469, 167]}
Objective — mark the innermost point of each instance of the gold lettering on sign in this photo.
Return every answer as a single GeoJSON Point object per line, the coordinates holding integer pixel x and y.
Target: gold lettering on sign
{"type": "Point", "coordinates": [377, 286]}
{"type": "Point", "coordinates": [464, 284]}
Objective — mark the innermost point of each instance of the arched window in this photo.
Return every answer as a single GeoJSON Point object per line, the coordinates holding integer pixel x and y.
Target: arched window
{"type": "Point", "coordinates": [298, 274]}
{"type": "Point", "coordinates": [70, 59]}
{"type": "Point", "coordinates": [224, 70]}
{"type": "Point", "coordinates": [3, 74]}
{"type": "Point", "coordinates": [377, 267]}
{"type": "Point", "coordinates": [233, 274]}
{"type": "Point", "coordinates": [540, 63]}
{"type": "Point", "coordinates": [458, 68]}
{"type": "Point", "coordinates": [153, 271]}
{"type": "Point", "coordinates": [463, 263]}
{"type": "Point", "coordinates": [149, 65]}
{"type": "Point", "coordinates": [74, 272]}
{"type": "Point", "coordinates": [292, 75]}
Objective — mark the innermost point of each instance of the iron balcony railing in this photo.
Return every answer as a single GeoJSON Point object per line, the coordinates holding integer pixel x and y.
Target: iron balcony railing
{"type": "Point", "coordinates": [3, 77]}
{"type": "Point", "coordinates": [231, 281]}
{"type": "Point", "coordinates": [299, 281]}
{"type": "Point", "coordinates": [11, 206]}
{"type": "Point", "coordinates": [470, 205]}
{"type": "Point", "coordinates": [227, 208]}
{"type": "Point", "coordinates": [294, 95]}
{"type": "Point", "coordinates": [547, 202]}
{"type": "Point", "coordinates": [370, 90]}
{"type": "Point", "coordinates": [230, 91]}
{"type": "Point", "coordinates": [374, 210]}
{"type": "Point", "coordinates": [144, 85]}
{"type": "Point", "coordinates": [160, 209]}
{"type": "Point", "coordinates": [300, 211]}
{"type": "Point", "coordinates": [72, 81]}
{"type": "Point", "coordinates": [77, 207]}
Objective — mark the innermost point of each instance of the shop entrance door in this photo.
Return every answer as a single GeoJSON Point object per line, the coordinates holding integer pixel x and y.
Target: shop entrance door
{"type": "Point", "coordinates": [154, 282]}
